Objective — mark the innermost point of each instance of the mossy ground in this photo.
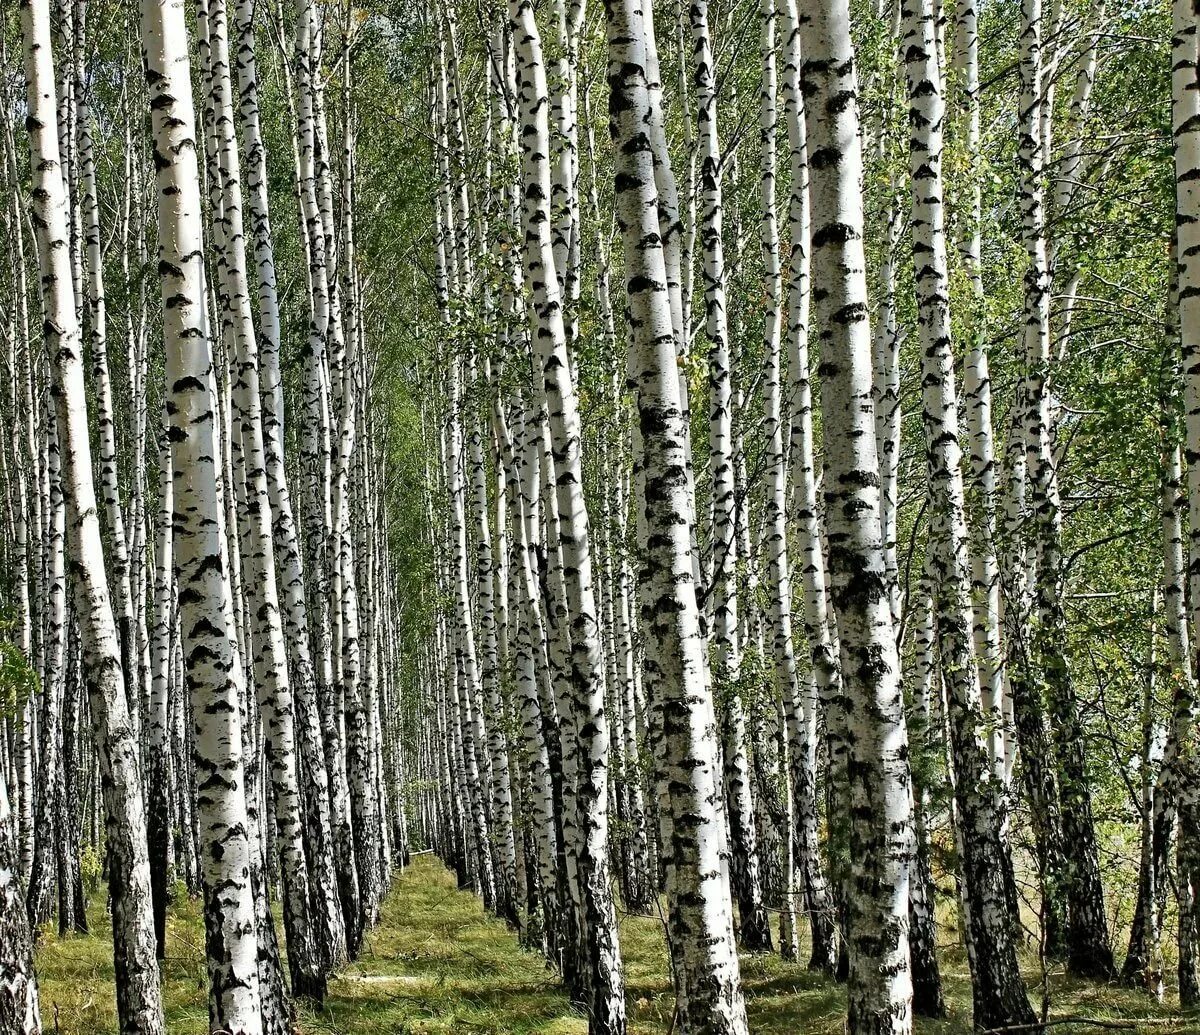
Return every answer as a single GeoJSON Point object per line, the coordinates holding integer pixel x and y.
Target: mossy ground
{"type": "Point", "coordinates": [438, 964]}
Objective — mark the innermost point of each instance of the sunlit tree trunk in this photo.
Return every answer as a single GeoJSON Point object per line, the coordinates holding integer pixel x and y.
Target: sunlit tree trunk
{"type": "Point", "coordinates": [97, 340]}
{"type": "Point", "coordinates": [1029, 716]}
{"type": "Point", "coordinates": [753, 930]}
{"type": "Point", "coordinates": [315, 446]}
{"type": "Point", "coordinates": [554, 379]}
{"type": "Point", "coordinates": [1185, 123]}
{"type": "Point", "coordinates": [977, 407]}
{"type": "Point", "coordinates": [880, 989]}
{"type": "Point", "coordinates": [139, 1002]}
{"type": "Point", "coordinates": [271, 682]}
{"type": "Point", "coordinates": [823, 680]}
{"type": "Point", "coordinates": [1088, 951]}
{"type": "Point", "coordinates": [928, 1000]}
{"type": "Point", "coordinates": [211, 660]}
{"type": "Point", "coordinates": [328, 927]}
{"type": "Point", "coordinates": [158, 714]}
{"type": "Point", "coordinates": [999, 993]}
{"type": "Point", "coordinates": [700, 914]}
{"type": "Point", "coordinates": [19, 1009]}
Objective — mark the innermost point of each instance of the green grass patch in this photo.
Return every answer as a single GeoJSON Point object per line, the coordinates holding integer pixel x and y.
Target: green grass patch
{"type": "Point", "coordinates": [438, 965]}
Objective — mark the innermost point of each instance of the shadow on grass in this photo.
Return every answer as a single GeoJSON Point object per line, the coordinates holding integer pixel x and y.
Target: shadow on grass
{"type": "Point", "coordinates": [438, 965]}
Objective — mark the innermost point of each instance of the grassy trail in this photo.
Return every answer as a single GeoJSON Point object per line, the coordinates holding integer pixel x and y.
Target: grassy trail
{"type": "Point", "coordinates": [438, 964]}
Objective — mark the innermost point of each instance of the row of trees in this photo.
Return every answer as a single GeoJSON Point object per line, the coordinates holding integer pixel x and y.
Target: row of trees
{"type": "Point", "coordinates": [628, 471]}
{"type": "Point", "coordinates": [864, 566]}
{"type": "Point", "coordinates": [201, 642]}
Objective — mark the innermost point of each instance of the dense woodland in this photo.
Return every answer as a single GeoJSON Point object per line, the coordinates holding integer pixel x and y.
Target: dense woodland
{"type": "Point", "coordinates": [734, 463]}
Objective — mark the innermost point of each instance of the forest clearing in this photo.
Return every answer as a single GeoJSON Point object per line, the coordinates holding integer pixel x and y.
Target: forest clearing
{"type": "Point", "coordinates": [642, 516]}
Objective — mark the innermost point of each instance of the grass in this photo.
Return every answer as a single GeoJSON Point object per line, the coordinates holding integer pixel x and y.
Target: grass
{"type": "Point", "coordinates": [437, 964]}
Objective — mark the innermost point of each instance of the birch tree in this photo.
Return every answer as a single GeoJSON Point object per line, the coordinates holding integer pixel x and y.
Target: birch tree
{"type": "Point", "coordinates": [210, 652]}
{"type": "Point", "coordinates": [139, 1001]}
{"type": "Point", "coordinates": [700, 913]}
{"type": "Point", "coordinates": [999, 994]}
{"type": "Point", "coordinates": [880, 989]}
{"type": "Point", "coordinates": [602, 952]}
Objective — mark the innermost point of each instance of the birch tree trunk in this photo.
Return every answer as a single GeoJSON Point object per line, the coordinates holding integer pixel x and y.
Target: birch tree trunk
{"type": "Point", "coordinates": [501, 790]}
{"type": "Point", "coordinates": [316, 432]}
{"type": "Point", "coordinates": [97, 338]}
{"type": "Point", "coordinates": [603, 959]}
{"type": "Point", "coordinates": [1088, 951]}
{"type": "Point", "coordinates": [928, 1000]}
{"type": "Point", "coordinates": [700, 914]}
{"type": "Point", "coordinates": [535, 729]}
{"type": "Point", "coordinates": [977, 403]}
{"type": "Point", "coordinates": [211, 660]}
{"type": "Point", "coordinates": [49, 739]}
{"type": "Point", "coordinates": [880, 834]}
{"type": "Point", "coordinates": [1032, 733]}
{"type": "Point", "coordinates": [1143, 956]}
{"type": "Point", "coordinates": [999, 994]}
{"type": "Point", "coordinates": [139, 1002]}
{"type": "Point", "coordinates": [357, 697]}
{"type": "Point", "coordinates": [1185, 124]}
{"type": "Point", "coordinates": [270, 672]}
{"type": "Point", "coordinates": [328, 926]}
{"type": "Point", "coordinates": [19, 1009]}
{"type": "Point", "coordinates": [823, 682]}
{"type": "Point", "coordinates": [158, 714]}
{"type": "Point", "coordinates": [753, 930]}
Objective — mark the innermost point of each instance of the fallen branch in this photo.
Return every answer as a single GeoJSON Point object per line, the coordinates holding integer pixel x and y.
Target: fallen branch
{"type": "Point", "coordinates": [1095, 1022]}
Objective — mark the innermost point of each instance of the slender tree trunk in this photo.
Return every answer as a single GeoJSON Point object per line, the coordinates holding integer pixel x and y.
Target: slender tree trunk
{"type": "Point", "coordinates": [1000, 999]}
{"type": "Point", "coordinates": [158, 715]}
{"type": "Point", "coordinates": [880, 990]}
{"type": "Point", "coordinates": [211, 660]}
{"type": "Point", "coordinates": [1185, 122]}
{"type": "Point", "coordinates": [928, 1000]}
{"type": "Point", "coordinates": [328, 926]}
{"type": "Point", "coordinates": [1088, 951]}
{"type": "Point", "coordinates": [753, 930]}
{"type": "Point", "coordinates": [316, 432]}
{"type": "Point", "coordinates": [603, 960]}
{"type": "Point", "coordinates": [700, 915]}
{"type": "Point", "coordinates": [977, 405]}
{"type": "Point", "coordinates": [270, 675]}
{"type": "Point", "coordinates": [139, 1003]}
{"type": "Point", "coordinates": [19, 1011]}
{"type": "Point", "coordinates": [1029, 717]}
{"type": "Point", "coordinates": [823, 683]}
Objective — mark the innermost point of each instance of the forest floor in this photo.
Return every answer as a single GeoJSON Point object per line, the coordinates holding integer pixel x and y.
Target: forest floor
{"type": "Point", "coordinates": [438, 964]}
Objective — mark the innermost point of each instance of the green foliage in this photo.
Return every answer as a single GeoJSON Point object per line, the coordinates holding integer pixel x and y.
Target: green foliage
{"type": "Point", "coordinates": [91, 870]}
{"type": "Point", "coordinates": [18, 680]}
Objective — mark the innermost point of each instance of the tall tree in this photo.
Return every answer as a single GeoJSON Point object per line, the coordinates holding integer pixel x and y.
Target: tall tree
{"type": "Point", "coordinates": [700, 913]}
{"type": "Point", "coordinates": [1088, 950]}
{"type": "Point", "coordinates": [1000, 999]}
{"type": "Point", "coordinates": [211, 659]}
{"type": "Point", "coordinates": [555, 383]}
{"type": "Point", "coordinates": [754, 931]}
{"type": "Point", "coordinates": [139, 999]}
{"type": "Point", "coordinates": [880, 990]}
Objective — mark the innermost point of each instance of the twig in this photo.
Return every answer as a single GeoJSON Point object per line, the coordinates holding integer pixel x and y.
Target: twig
{"type": "Point", "coordinates": [1095, 1022]}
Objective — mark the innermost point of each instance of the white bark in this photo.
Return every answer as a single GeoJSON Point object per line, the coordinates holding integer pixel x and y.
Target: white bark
{"type": "Point", "coordinates": [880, 986]}
{"type": "Point", "coordinates": [700, 921]}
{"type": "Point", "coordinates": [999, 994]}
{"type": "Point", "coordinates": [138, 996]}
{"type": "Point", "coordinates": [554, 379]}
{"type": "Point", "coordinates": [210, 656]}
